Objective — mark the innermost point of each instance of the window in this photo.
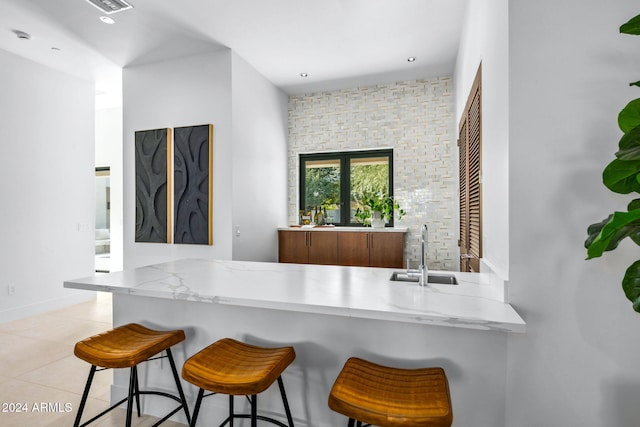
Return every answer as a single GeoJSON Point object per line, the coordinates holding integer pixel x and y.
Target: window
{"type": "Point", "coordinates": [329, 182]}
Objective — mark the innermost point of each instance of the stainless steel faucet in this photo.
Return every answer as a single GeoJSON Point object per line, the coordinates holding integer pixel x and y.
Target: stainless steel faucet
{"type": "Point", "coordinates": [424, 269]}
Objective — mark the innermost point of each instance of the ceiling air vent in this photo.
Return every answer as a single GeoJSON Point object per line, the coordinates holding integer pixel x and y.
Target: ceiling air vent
{"type": "Point", "coordinates": [110, 6]}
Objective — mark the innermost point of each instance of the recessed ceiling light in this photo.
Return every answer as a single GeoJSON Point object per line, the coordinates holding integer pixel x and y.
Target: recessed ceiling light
{"type": "Point", "coordinates": [107, 20]}
{"type": "Point", "coordinates": [411, 59]}
{"type": "Point", "coordinates": [304, 75]}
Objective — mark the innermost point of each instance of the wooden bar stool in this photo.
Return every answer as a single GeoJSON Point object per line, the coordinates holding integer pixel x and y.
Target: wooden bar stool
{"type": "Point", "coordinates": [235, 368]}
{"type": "Point", "coordinates": [391, 397]}
{"type": "Point", "coordinates": [126, 347]}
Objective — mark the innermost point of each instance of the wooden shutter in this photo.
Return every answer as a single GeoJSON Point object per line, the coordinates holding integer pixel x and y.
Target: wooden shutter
{"type": "Point", "coordinates": [464, 194]}
{"type": "Point", "coordinates": [470, 171]}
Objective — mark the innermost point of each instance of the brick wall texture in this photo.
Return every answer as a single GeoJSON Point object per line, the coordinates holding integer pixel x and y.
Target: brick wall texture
{"type": "Point", "coordinates": [416, 119]}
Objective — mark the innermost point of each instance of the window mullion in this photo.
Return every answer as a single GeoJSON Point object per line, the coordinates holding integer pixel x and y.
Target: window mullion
{"type": "Point", "coordinates": [345, 193]}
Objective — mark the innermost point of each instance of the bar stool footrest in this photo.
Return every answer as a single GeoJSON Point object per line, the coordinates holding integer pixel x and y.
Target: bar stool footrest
{"type": "Point", "coordinates": [258, 417]}
{"type": "Point", "coordinates": [153, 392]}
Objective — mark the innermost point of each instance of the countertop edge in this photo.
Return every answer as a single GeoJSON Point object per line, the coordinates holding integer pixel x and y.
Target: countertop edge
{"type": "Point", "coordinates": [342, 229]}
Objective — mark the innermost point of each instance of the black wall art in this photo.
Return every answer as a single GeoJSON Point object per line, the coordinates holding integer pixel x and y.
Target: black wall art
{"type": "Point", "coordinates": [153, 185]}
{"type": "Point", "coordinates": [193, 180]}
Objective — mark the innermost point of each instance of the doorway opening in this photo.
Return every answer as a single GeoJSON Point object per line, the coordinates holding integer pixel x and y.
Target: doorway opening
{"type": "Point", "coordinates": [103, 221]}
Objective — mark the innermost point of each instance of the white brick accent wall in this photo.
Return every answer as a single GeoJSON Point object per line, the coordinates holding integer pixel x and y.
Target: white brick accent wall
{"type": "Point", "coordinates": [416, 119]}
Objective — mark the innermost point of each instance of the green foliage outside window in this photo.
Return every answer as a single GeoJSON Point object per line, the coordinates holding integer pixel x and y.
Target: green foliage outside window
{"type": "Point", "coordinates": [322, 186]}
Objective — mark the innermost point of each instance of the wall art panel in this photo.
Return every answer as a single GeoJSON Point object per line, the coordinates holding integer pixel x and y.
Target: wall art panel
{"type": "Point", "coordinates": [193, 178]}
{"type": "Point", "coordinates": [153, 185]}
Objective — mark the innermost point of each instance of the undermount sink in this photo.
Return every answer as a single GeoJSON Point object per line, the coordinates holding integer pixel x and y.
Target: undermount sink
{"type": "Point", "coordinates": [436, 278]}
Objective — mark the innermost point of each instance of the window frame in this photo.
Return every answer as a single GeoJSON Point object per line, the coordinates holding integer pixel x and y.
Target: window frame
{"type": "Point", "coordinates": [345, 178]}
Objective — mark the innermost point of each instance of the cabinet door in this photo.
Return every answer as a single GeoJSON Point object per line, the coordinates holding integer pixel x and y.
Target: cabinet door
{"type": "Point", "coordinates": [292, 246]}
{"type": "Point", "coordinates": [323, 247]}
{"type": "Point", "coordinates": [386, 250]}
{"type": "Point", "coordinates": [353, 248]}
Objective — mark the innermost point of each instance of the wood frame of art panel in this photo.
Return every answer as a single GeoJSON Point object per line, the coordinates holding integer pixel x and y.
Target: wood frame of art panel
{"type": "Point", "coordinates": [193, 184]}
{"type": "Point", "coordinates": [153, 185]}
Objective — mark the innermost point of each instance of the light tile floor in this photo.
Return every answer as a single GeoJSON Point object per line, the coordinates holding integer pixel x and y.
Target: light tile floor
{"type": "Point", "coordinates": [40, 376]}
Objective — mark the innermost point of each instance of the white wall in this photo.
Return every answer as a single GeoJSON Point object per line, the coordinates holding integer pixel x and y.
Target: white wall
{"type": "Point", "coordinates": [577, 365]}
{"type": "Point", "coordinates": [46, 184]}
{"type": "Point", "coordinates": [485, 39]}
{"type": "Point", "coordinates": [187, 91]}
{"type": "Point", "coordinates": [259, 125]}
{"type": "Point", "coordinates": [249, 118]}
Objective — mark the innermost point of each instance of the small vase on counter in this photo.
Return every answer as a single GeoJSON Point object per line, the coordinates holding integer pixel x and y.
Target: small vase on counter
{"type": "Point", "coordinates": [376, 220]}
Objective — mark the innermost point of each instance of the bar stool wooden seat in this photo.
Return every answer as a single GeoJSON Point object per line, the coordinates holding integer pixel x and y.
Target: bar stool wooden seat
{"type": "Point", "coordinates": [126, 347]}
{"type": "Point", "coordinates": [391, 397]}
{"type": "Point", "coordinates": [235, 368]}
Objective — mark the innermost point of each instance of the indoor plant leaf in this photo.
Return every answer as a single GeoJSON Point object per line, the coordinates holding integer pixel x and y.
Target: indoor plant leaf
{"type": "Point", "coordinates": [620, 176]}
{"type": "Point", "coordinates": [629, 145]}
{"type": "Point", "coordinates": [635, 83]}
{"type": "Point", "coordinates": [633, 205]}
{"type": "Point", "coordinates": [632, 26]}
{"type": "Point", "coordinates": [631, 284]}
{"type": "Point", "coordinates": [629, 117]}
{"type": "Point", "coordinates": [617, 227]}
{"type": "Point", "coordinates": [593, 231]}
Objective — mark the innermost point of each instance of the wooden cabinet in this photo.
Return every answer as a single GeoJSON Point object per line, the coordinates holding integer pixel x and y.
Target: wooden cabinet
{"type": "Point", "coordinates": [353, 248]}
{"type": "Point", "coordinates": [292, 247]}
{"type": "Point", "coordinates": [335, 247]}
{"type": "Point", "coordinates": [371, 249]}
{"type": "Point", "coordinates": [306, 247]}
{"type": "Point", "coordinates": [386, 250]}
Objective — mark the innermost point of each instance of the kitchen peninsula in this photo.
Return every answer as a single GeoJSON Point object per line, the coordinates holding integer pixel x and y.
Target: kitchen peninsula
{"type": "Point", "coordinates": [327, 313]}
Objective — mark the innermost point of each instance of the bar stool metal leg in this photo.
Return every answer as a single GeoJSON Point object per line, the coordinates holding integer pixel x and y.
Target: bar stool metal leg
{"type": "Point", "coordinates": [254, 411]}
{"type": "Point", "coordinates": [196, 409]}
{"type": "Point", "coordinates": [85, 395]}
{"type": "Point", "coordinates": [132, 386]}
{"type": "Point", "coordinates": [137, 393]}
{"type": "Point", "coordinates": [178, 384]}
{"type": "Point", "coordinates": [285, 401]}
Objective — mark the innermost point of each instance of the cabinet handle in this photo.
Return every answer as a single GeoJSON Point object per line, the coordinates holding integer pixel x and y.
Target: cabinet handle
{"type": "Point", "coordinates": [367, 240]}
{"type": "Point", "coordinates": [309, 234]}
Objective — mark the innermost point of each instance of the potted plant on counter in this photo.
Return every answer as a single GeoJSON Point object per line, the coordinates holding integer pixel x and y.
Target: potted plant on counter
{"type": "Point", "coordinates": [377, 209]}
{"type": "Point", "coordinates": [622, 175]}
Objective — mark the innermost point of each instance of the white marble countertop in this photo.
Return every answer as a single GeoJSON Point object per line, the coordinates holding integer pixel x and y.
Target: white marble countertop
{"type": "Point", "coordinates": [362, 292]}
{"type": "Point", "coordinates": [334, 228]}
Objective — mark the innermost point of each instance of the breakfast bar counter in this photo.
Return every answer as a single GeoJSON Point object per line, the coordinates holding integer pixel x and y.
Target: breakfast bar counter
{"type": "Point", "coordinates": [328, 314]}
{"type": "Point", "coordinates": [334, 290]}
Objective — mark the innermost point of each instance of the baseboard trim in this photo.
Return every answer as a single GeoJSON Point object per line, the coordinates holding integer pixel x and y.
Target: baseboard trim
{"type": "Point", "coordinates": [45, 306]}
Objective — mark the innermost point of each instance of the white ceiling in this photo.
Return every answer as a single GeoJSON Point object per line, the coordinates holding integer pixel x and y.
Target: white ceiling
{"type": "Point", "coordinates": [339, 43]}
